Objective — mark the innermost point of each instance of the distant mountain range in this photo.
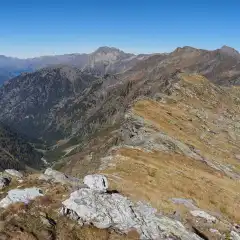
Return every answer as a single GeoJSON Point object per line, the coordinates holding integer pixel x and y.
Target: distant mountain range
{"type": "Point", "coordinates": [103, 60]}
{"type": "Point", "coordinates": [163, 128]}
{"type": "Point", "coordinates": [68, 102]}
{"type": "Point", "coordinates": [61, 101]}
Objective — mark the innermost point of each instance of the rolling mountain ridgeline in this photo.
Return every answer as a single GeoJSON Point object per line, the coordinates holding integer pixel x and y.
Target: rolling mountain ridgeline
{"type": "Point", "coordinates": [103, 60]}
{"type": "Point", "coordinates": [150, 131]}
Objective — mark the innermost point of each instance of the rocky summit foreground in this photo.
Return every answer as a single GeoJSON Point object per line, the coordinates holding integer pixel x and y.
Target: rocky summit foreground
{"type": "Point", "coordinates": [112, 210]}
{"type": "Point", "coordinates": [46, 209]}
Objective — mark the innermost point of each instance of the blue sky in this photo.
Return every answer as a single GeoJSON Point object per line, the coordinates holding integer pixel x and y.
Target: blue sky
{"type": "Point", "coordinates": [34, 28]}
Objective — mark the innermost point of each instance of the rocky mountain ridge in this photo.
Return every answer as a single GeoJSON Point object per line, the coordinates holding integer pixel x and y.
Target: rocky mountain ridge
{"type": "Point", "coordinates": [181, 145]}
{"type": "Point", "coordinates": [103, 60]}
{"type": "Point", "coordinates": [64, 113]}
{"type": "Point", "coordinates": [165, 132]}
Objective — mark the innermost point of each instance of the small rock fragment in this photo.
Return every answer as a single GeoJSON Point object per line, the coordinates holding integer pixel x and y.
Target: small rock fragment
{"type": "Point", "coordinates": [237, 156]}
{"type": "Point", "coordinates": [202, 214]}
{"type": "Point", "coordinates": [14, 173]}
{"type": "Point", "coordinates": [215, 231]}
{"type": "Point", "coordinates": [20, 195]}
{"type": "Point", "coordinates": [4, 182]}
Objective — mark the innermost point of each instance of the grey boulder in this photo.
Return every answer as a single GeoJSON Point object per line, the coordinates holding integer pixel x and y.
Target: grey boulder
{"type": "Point", "coordinates": [20, 195]}
{"type": "Point", "coordinates": [104, 210]}
{"type": "Point", "coordinates": [204, 215]}
{"type": "Point", "coordinates": [60, 177]}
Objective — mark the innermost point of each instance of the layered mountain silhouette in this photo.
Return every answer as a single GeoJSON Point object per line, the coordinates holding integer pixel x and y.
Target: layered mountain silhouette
{"type": "Point", "coordinates": [62, 101]}
{"type": "Point", "coordinates": [70, 103]}
{"type": "Point", "coordinates": [163, 128]}
{"type": "Point", "coordinates": [103, 60]}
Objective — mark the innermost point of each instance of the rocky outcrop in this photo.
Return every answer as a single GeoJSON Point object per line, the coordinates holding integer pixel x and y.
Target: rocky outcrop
{"type": "Point", "coordinates": [202, 214]}
{"type": "Point", "coordinates": [20, 195]}
{"type": "Point", "coordinates": [96, 208]}
{"type": "Point", "coordinates": [235, 236]}
{"type": "Point", "coordinates": [60, 177]}
{"type": "Point", "coordinates": [55, 175]}
{"type": "Point", "coordinates": [106, 210]}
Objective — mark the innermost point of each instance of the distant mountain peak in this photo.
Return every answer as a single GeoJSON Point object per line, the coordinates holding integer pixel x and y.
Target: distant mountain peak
{"type": "Point", "coordinates": [109, 54]}
{"type": "Point", "coordinates": [186, 49]}
{"type": "Point", "coordinates": [229, 51]}
{"type": "Point", "coordinates": [106, 49]}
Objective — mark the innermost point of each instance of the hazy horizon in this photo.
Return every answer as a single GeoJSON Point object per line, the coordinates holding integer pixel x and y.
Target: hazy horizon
{"type": "Point", "coordinates": [43, 28]}
{"type": "Point", "coordinates": [91, 51]}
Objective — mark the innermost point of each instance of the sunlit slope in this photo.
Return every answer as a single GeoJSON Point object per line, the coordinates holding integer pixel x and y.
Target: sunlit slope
{"type": "Point", "coordinates": [184, 145]}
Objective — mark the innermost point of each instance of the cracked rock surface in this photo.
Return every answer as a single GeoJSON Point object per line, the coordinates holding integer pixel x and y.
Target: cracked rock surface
{"type": "Point", "coordinates": [115, 211]}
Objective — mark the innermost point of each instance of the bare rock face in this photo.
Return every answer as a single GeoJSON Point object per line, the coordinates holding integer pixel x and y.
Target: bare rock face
{"type": "Point", "coordinates": [55, 175]}
{"type": "Point", "coordinates": [202, 214]}
{"type": "Point", "coordinates": [235, 236]}
{"type": "Point", "coordinates": [14, 173]}
{"type": "Point", "coordinates": [20, 195]}
{"type": "Point", "coordinates": [103, 210]}
{"type": "Point", "coordinates": [96, 182]}
{"type": "Point", "coordinates": [60, 177]}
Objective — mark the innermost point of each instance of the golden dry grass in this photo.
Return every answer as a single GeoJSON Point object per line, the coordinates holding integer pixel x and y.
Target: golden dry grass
{"type": "Point", "coordinates": [179, 123]}
{"type": "Point", "coordinates": [158, 176]}
{"type": "Point", "coordinates": [72, 231]}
